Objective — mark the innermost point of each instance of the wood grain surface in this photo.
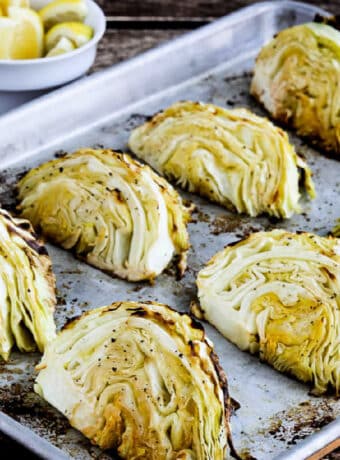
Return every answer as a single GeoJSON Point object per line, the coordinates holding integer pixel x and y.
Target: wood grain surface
{"type": "Point", "coordinates": [188, 8]}
{"type": "Point", "coordinates": [135, 26]}
{"type": "Point", "coordinates": [121, 44]}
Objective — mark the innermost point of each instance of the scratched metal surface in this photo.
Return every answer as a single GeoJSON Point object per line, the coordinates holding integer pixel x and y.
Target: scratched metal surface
{"type": "Point", "coordinates": [276, 411]}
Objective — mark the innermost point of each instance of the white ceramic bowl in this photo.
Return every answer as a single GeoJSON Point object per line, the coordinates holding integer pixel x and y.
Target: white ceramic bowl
{"type": "Point", "coordinates": [42, 73]}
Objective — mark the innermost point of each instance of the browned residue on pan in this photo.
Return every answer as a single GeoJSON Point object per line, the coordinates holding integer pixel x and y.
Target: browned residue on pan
{"type": "Point", "coordinates": [300, 421]}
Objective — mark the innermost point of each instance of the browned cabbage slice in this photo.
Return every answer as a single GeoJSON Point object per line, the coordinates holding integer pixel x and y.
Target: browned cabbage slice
{"type": "Point", "coordinates": [27, 288]}
{"type": "Point", "coordinates": [277, 294]}
{"type": "Point", "coordinates": [296, 78]}
{"type": "Point", "coordinates": [233, 157]}
{"type": "Point", "coordinates": [110, 210]}
{"type": "Point", "coordinates": [142, 379]}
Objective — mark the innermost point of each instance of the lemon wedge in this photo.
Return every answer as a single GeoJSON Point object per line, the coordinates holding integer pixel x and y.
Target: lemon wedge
{"type": "Point", "coordinates": [22, 34]}
{"type": "Point", "coordinates": [5, 4]}
{"type": "Point", "coordinates": [29, 33]}
{"type": "Point", "coordinates": [64, 45]}
{"type": "Point", "coordinates": [60, 11]}
{"type": "Point", "coordinates": [7, 32]}
{"type": "Point", "coordinates": [77, 32]}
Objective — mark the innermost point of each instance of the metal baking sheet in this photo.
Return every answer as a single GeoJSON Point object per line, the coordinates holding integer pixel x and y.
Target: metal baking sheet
{"type": "Point", "coordinates": [212, 64]}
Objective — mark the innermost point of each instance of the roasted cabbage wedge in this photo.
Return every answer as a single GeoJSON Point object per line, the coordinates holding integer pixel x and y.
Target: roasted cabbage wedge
{"type": "Point", "coordinates": [142, 379]}
{"type": "Point", "coordinates": [278, 294]}
{"type": "Point", "coordinates": [232, 157]}
{"type": "Point", "coordinates": [113, 212]}
{"type": "Point", "coordinates": [27, 288]}
{"type": "Point", "coordinates": [296, 78]}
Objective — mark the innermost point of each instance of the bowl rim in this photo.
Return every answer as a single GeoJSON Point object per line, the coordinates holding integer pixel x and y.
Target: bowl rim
{"type": "Point", "coordinates": [99, 32]}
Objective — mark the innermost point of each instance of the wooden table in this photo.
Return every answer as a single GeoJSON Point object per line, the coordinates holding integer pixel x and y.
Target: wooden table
{"type": "Point", "coordinates": [134, 27]}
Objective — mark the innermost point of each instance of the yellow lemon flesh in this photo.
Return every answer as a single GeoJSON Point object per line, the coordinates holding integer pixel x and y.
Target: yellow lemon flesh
{"type": "Point", "coordinates": [21, 34]}
{"type": "Point", "coordinates": [60, 11]}
{"type": "Point", "coordinates": [77, 32]}
{"type": "Point", "coordinates": [64, 45]}
{"type": "Point", "coordinates": [5, 4]}
{"type": "Point", "coordinates": [7, 31]}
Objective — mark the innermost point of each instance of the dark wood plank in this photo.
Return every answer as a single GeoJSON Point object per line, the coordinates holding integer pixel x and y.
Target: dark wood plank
{"type": "Point", "coordinates": [118, 45]}
{"type": "Point", "coordinates": [333, 456]}
{"type": "Point", "coordinates": [188, 9]}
